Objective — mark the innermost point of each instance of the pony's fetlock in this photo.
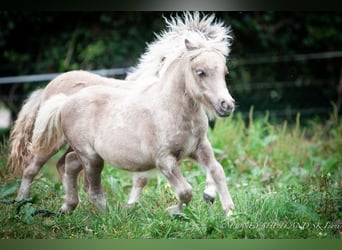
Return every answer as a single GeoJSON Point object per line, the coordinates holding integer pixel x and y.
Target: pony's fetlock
{"type": "Point", "coordinates": [66, 208]}
{"type": "Point", "coordinates": [176, 209]}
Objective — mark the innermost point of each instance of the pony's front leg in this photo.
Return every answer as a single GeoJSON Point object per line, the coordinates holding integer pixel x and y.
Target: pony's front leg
{"type": "Point", "coordinates": [71, 170]}
{"type": "Point", "coordinates": [206, 159]}
{"type": "Point", "coordinates": [209, 193]}
{"type": "Point", "coordinates": [169, 168]}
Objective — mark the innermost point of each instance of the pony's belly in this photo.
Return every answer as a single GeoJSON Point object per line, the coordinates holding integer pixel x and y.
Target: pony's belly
{"type": "Point", "coordinates": [132, 165]}
{"type": "Point", "coordinates": [128, 157]}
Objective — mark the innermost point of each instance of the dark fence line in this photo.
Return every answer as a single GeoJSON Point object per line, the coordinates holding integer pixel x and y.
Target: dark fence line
{"type": "Point", "coordinates": [235, 61]}
{"type": "Point", "coordinates": [49, 77]}
{"type": "Point", "coordinates": [271, 86]}
{"type": "Point", "coordinates": [288, 58]}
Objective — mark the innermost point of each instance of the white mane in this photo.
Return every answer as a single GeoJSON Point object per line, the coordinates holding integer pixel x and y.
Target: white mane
{"type": "Point", "coordinates": [205, 32]}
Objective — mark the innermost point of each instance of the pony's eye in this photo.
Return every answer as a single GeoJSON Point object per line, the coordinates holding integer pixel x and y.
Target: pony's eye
{"type": "Point", "coordinates": [200, 73]}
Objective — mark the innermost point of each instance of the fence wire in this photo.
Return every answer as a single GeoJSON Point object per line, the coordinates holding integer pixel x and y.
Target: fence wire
{"type": "Point", "coordinates": [259, 86]}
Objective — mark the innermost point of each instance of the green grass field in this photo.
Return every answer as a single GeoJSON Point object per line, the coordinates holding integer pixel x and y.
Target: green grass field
{"type": "Point", "coordinates": [285, 181]}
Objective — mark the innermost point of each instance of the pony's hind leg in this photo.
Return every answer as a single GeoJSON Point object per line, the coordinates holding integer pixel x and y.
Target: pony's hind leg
{"type": "Point", "coordinates": [72, 168]}
{"type": "Point", "coordinates": [61, 164]}
{"type": "Point", "coordinates": [37, 162]}
{"type": "Point", "coordinates": [61, 169]}
{"type": "Point", "coordinates": [139, 182]}
{"type": "Point", "coordinates": [93, 167]}
{"type": "Point", "coordinates": [85, 183]}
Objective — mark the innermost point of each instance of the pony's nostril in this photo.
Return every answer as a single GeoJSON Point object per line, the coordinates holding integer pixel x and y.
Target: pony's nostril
{"type": "Point", "coordinates": [224, 105]}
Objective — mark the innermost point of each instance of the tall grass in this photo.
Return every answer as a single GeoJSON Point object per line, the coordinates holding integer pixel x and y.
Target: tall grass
{"type": "Point", "coordinates": [285, 181]}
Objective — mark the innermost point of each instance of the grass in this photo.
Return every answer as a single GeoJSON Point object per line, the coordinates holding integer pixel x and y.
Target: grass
{"type": "Point", "coordinates": [285, 181]}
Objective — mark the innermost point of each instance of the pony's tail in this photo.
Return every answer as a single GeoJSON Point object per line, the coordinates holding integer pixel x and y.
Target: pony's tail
{"type": "Point", "coordinates": [47, 134]}
{"type": "Point", "coordinates": [21, 133]}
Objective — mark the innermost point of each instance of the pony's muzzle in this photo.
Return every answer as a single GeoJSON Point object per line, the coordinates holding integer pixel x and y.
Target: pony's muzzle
{"type": "Point", "coordinates": [225, 107]}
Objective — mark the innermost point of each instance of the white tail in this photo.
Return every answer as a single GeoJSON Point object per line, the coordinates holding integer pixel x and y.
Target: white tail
{"type": "Point", "coordinates": [21, 133]}
{"type": "Point", "coordinates": [47, 134]}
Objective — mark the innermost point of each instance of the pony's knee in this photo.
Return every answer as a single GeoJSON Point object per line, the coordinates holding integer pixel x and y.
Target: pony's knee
{"type": "Point", "coordinates": [73, 165]}
{"type": "Point", "coordinates": [140, 182]}
{"type": "Point", "coordinates": [185, 195]}
{"type": "Point", "coordinates": [37, 162]}
{"type": "Point", "coordinates": [31, 171]}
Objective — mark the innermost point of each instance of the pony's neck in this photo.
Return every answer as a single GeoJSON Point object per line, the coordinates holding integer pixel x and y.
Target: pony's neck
{"type": "Point", "coordinates": [174, 88]}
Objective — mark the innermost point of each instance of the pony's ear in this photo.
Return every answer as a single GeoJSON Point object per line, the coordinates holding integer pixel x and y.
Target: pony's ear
{"type": "Point", "coordinates": [189, 45]}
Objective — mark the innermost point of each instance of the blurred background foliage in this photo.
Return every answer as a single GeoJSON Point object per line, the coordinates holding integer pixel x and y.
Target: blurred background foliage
{"type": "Point", "coordinates": [264, 71]}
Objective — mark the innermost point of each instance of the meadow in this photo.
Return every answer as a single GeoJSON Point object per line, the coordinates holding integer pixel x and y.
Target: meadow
{"type": "Point", "coordinates": [285, 180]}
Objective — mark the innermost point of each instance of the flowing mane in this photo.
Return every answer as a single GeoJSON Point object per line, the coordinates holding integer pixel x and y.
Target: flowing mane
{"type": "Point", "coordinates": [203, 30]}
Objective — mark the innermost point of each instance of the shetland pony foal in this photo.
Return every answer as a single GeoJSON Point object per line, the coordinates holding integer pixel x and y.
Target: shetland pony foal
{"type": "Point", "coordinates": [167, 46]}
{"type": "Point", "coordinates": [148, 126]}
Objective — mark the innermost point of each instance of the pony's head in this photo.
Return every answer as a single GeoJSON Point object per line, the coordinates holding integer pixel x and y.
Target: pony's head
{"type": "Point", "coordinates": [205, 78]}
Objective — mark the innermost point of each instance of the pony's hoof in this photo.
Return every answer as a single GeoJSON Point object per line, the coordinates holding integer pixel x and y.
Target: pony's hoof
{"type": "Point", "coordinates": [174, 210]}
{"type": "Point", "coordinates": [128, 205]}
{"type": "Point", "coordinates": [229, 213]}
{"type": "Point", "coordinates": [131, 206]}
{"type": "Point", "coordinates": [101, 207]}
{"type": "Point", "coordinates": [208, 198]}
{"type": "Point", "coordinates": [65, 209]}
